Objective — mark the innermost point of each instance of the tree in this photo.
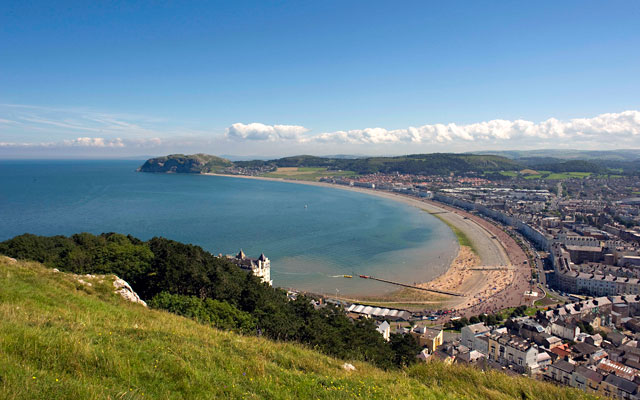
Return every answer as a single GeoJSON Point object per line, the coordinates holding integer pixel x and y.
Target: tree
{"type": "Point", "coordinates": [405, 349]}
{"type": "Point", "coordinates": [217, 313]}
{"type": "Point", "coordinates": [585, 327]}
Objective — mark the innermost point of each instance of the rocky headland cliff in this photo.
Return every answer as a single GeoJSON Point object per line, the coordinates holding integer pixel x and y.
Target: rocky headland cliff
{"type": "Point", "coordinates": [185, 164]}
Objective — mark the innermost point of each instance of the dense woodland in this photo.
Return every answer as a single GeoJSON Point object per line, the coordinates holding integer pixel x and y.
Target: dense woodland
{"type": "Point", "coordinates": [189, 281]}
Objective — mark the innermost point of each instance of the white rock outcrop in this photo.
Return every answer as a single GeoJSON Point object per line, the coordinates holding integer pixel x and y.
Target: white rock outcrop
{"type": "Point", "coordinates": [124, 290]}
{"type": "Point", "coordinates": [348, 367]}
{"type": "Point", "coordinates": [8, 260]}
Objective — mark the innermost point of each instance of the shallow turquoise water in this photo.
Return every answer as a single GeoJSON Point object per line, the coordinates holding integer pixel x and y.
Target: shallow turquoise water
{"type": "Point", "coordinates": [339, 232]}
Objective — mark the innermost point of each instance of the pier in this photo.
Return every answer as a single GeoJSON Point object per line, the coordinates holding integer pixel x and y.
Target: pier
{"type": "Point", "coordinates": [494, 268]}
{"type": "Point", "coordinates": [448, 293]}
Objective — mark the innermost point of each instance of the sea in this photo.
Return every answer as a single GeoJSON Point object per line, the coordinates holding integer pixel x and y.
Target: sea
{"type": "Point", "coordinates": [313, 235]}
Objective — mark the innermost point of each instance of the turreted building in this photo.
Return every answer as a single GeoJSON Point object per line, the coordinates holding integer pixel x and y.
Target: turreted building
{"type": "Point", "coordinates": [260, 267]}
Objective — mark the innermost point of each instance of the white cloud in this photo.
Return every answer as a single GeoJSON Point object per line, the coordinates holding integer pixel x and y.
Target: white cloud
{"type": "Point", "coordinates": [94, 142]}
{"type": "Point", "coordinates": [97, 142]}
{"type": "Point", "coordinates": [604, 127]}
{"type": "Point", "coordinates": [75, 121]}
{"type": "Point", "coordinates": [78, 130]}
{"type": "Point", "coordinates": [151, 142]}
{"type": "Point", "coordinates": [15, 144]}
{"type": "Point", "coordinates": [257, 131]}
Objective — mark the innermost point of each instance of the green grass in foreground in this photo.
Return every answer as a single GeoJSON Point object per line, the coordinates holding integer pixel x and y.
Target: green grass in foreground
{"type": "Point", "coordinates": [463, 239]}
{"type": "Point", "coordinates": [60, 339]}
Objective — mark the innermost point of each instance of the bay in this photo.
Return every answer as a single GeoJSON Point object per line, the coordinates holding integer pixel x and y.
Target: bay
{"type": "Point", "coordinates": [338, 232]}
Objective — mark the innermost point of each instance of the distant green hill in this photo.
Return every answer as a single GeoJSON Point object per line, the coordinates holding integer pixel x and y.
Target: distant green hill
{"type": "Point", "coordinates": [568, 154]}
{"type": "Point", "coordinates": [417, 164]}
{"type": "Point", "coordinates": [625, 162]}
{"type": "Point", "coordinates": [180, 163]}
{"type": "Point", "coordinates": [566, 165]}
{"type": "Point", "coordinates": [427, 164]}
{"type": "Point", "coordinates": [63, 339]}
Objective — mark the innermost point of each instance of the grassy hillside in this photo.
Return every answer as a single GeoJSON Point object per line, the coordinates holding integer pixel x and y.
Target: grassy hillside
{"type": "Point", "coordinates": [60, 338]}
{"type": "Point", "coordinates": [306, 173]}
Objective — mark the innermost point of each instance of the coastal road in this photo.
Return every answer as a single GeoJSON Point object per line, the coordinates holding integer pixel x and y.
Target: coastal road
{"type": "Point", "coordinates": [507, 252]}
{"type": "Point", "coordinates": [489, 250]}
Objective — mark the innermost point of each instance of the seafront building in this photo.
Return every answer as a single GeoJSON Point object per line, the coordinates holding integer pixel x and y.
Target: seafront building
{"type": "Point", "coordinates": [389, 314]}
{"type": "Point", "coordinates": [260, 267]}
{"type": "Point", "coordinates": [513, 351]}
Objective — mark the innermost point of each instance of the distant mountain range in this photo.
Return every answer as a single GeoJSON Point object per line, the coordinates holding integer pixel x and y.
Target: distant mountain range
{"type": "Point", "coordinates": [568, 154]}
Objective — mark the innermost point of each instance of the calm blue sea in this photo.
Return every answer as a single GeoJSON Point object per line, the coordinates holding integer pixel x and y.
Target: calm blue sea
{"type": "Point", "coordinates": [339, 232]}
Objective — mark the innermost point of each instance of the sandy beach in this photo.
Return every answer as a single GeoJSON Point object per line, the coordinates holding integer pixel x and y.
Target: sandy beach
{"type": "Point", "coordinates": [491, 278]}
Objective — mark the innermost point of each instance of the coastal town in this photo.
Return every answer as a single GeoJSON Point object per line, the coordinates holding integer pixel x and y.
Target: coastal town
{"type": "Point", "coordinates": [327, 200]}
{"type": "Point", "coordinates": [563, 305]}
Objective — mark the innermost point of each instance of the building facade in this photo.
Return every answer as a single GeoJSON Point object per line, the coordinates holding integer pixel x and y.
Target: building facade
{"type": "Point", "coordinates": [260, 267]}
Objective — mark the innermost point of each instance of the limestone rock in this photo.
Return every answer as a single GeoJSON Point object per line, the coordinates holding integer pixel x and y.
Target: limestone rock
{"type": "Point", "coordinates": [8, 260]}
{"type": "Point", "coordinates": [84, 282]}
{"type": "Point", "coordinates": [124, 290]}
{"type": "Point", "coordinates": [348, 367]}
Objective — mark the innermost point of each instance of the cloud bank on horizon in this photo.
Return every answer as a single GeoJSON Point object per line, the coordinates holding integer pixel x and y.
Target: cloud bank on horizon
{"type": "Point", "coordinates": [75, 130]}
{"type": "Point", "coordinates": [605, 127]}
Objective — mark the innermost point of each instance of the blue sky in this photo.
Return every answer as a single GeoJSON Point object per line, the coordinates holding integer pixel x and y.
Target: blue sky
{"type": "Point", "coordinates": [279, 78]}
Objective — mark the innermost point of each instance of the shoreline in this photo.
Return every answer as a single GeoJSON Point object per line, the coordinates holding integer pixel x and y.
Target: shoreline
{"type": "Point", "coordinates": [489, 250]}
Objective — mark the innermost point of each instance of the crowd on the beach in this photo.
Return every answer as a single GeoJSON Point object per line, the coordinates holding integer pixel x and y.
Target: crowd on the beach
{"type": "Point", "coordinates": [507, 292]}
